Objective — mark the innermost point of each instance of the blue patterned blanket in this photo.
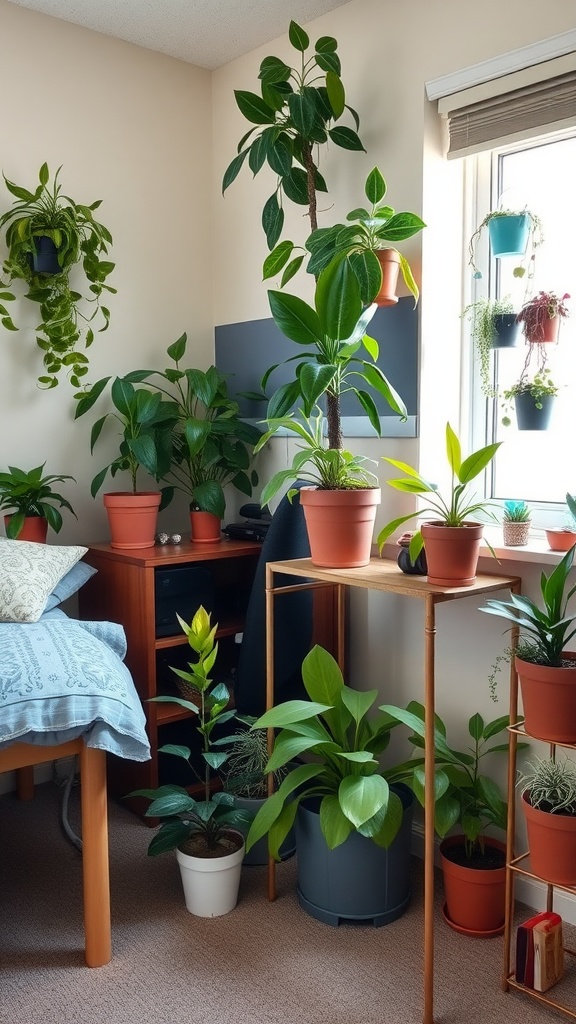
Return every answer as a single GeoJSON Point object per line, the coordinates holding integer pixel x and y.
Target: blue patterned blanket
{"type": "Point", "coordinates": [61, 678]}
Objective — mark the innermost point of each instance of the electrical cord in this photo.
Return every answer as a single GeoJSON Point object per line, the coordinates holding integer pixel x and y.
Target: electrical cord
{"type": "Point", "coordinates": [68, 830]}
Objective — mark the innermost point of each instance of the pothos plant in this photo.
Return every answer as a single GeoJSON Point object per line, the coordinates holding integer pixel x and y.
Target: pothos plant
{"type": "Point", "coordinates": [80, 241]}
{"type": "Point", "coordinates": [293, 118]}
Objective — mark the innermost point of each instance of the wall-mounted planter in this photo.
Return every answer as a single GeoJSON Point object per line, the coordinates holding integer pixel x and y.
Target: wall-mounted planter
{"type": "Point", "coordinates": [528, 414]}
{"type": "Point", "coordinates": [509, 234]}
{"type": "Point", "coordinates": [389, 261]}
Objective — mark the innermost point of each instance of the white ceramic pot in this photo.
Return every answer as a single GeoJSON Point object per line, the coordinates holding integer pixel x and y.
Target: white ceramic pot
{"type": "Point", "coordinates": [211, 883]}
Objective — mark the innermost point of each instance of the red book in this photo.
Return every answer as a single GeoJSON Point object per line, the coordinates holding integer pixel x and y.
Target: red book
{"type": "Point", "coordinates": [525, 949]}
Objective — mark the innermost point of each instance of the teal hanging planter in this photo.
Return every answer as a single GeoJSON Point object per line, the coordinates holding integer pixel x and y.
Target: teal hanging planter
{"type": "Point", "coordinates": [509, 234]}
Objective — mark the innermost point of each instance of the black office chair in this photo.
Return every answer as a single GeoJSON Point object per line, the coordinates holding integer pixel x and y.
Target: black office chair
{"type": "Point", "coordinates": [286, 538]}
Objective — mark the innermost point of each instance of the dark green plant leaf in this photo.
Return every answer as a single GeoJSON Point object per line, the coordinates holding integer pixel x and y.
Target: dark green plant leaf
{"type": "Point", "coordinates": [298, 37]}
{"type": "Point", "coordinates": [272, 220]}
{"type": "Point", "coordinates": [346, 138]}
{"type": "Point", "coordinates": [253, 107]}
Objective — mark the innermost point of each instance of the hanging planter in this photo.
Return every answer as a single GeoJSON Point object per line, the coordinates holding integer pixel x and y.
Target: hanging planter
{"type": "Point", "coordinates": [506, 329]}
{"type": "Point", "coordinates": [533, 400]}
{"type": "Point", "coordinates": [533, 412]}
{"type": "Point", "coordinates": [493, 324]}
{"type": "Point", "coordinates": [389, 260]}
{"type": "Point", "coordinates": [515, 233]}
{"type": "Point", "coordinates": [540, 317]}
{"type": "Point", "coordinates": [44, 258]}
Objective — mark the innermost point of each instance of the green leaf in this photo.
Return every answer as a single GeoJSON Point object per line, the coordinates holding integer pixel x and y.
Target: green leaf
{"type": "Point", "coordinates": [233, 169]}
{"type": "Point", "coordinates": [336, 93]}
{"type": "Point", "coordinates": [358, 702]}
{"type": "Point", "coordinates": [253, 107]}
{"type": "Point", "coordinates": [326, 44]}
{"type": "Point", "coordinates": [338, 300]}
{"type": "Point", "coordinates": [475, 463]}
{"type": "Point", "coordinates": [336, 827]}
{"type": "Point", "coordinates": [329, 62]}
{"type": "Point", "coordinates": [303, 113]}
{"type": "Point", "coordinates": [295, 186]}
{"type": "Point", "coordinates": [453, 451]}
{"type": "Point", "coordinates": [287, 747]}
{"type": "Point", "coordinates": [361, 797]}
{"type": "Point", "coordinates": [272, 220]}
{"type": "Point", "coordinates": [290, 711]}
{"type": "Point", "coordinates": [277, 259]}
{"type": "Point", "coordinates": [476, 726]}
{"type": "Point", "coordinates": [375, 187]}
{"type": "Point", "coordinates": [322, 677]}
{"type": "Point", "coordinates": [346, 138]}
{"type": "Point", "coordinates": [292, 269]}
{"type": "Point", "coordinates": [298, 37]}
{"type": "Point", "coordinates": [272, 69]}
{"type": "Point", "coordinates": [295, 318]}
{"type": "Point", "coordinates": [280, 156]}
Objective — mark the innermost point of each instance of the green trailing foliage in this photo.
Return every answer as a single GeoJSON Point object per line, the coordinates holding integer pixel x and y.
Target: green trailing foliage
{"type": "Point", "coordinates": [81, 242]}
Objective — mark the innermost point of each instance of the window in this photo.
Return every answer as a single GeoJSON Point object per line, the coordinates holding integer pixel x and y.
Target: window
{"type": "Point", "coordinates": [537, 466]}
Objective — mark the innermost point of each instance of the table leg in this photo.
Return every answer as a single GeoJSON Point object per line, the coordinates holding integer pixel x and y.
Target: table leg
{"type": "Point", "coordinates": [430, 636]}
{"type": "Point", "coordinates": [25, 782]}
{"type": "Point", "coordinates": [95, 870]}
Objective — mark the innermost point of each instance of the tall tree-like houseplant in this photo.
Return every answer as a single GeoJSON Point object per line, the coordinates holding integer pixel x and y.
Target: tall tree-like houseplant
{"type": "Point", "coordinates": [48, 218]}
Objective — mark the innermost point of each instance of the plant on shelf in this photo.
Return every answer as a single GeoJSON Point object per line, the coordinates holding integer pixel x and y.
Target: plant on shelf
{"type": "Point", "coordinates": [542, 314]}
{"type": "Point", "coordinates": [548, 790]}
{"type": "Point", "coordinates": [364, 242]}
{"type": "Point", "coordinates": [207, 825]}
{"type": "Point", "coordinates": [27, 494]}
{"type": "Point", "coordinates": [340, 799]}
{"type": "Point", "coordinates": [46, 217]}
{"type": "Point", "coordinates": [452, 515]}
{"type": "Point", "coordinates": [526, 229]}
{"type": "Point", "coordinates": [547, 670]}
{"type": "Point", "coordinates": [562, 538]}
{"type": "Point", "coordinates": [487, 317]}
{"type": "Point", "coordinates": [516, 520]}
{"type": "Point", "coordinates": [471, 801]}
{"type": "Point", "coordinates": [292, 119]}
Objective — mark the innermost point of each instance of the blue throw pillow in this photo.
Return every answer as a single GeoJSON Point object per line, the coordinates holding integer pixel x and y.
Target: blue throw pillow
{"type": "Point", "coordinates": [75, 578]}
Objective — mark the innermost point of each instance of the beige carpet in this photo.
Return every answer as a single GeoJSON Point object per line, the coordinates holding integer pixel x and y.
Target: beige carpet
{"type": "Point", "coordinates": [263, 964]}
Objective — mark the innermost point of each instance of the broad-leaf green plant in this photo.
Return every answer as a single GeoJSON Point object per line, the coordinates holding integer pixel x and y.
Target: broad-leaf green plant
{"type": "Point", "coordinates": [26, 493]}
{"type": "Point", "coordinates": [458, 506]}
{"type": "Point", "coordinates": [81, 242]}
{"type": "Point", "coordinates": [293, 118]}
{"type": "Point", "coordinates": [205, 819]}
{"type": "Point", "coordinates": [544, 631]}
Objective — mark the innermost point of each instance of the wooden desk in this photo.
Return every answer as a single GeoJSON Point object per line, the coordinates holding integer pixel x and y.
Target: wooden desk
{"type": "Point", "coordinates": [95, 869]}
{"type": "Point", "coordinates": [384, 575]}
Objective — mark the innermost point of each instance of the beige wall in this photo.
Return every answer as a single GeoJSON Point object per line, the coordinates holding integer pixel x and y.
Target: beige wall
{"type": "Point", "coordinates": [132, 128]}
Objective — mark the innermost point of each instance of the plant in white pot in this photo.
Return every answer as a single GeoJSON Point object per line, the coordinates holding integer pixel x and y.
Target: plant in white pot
{"type": "Point", "coordinates": [206, 829]}
{"type": "Point", "coordinates": [452, 539]}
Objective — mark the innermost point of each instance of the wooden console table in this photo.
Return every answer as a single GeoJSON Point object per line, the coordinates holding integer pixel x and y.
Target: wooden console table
{"type": "Point", "coordinates": [384, 575]}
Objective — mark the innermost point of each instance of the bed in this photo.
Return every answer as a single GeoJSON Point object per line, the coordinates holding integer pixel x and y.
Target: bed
{"type": "Point", "coordinates": [64, 690]}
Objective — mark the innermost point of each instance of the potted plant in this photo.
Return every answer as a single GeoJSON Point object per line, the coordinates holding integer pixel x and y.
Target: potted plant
{"type": "Point", "coordinates": [353, 829]}
{"type": "Point", "coordinates": [511, 233]}
{"type": "Point", "coordinates": [206, 830]}
{"type": "Point", "coordinates": [31, 503]}
{"type": "Point", "coordinates": [533, 400]}
{"type": "Point", "coordinates": [291, 120]}
{"type": "Point", "coordinates": [516, 522]}
{"type": "Point", "coordinates": [548, 791]}
{"type": "Point", "coordinates": [245, 776]}
{"type": "Point", "coordinates": [546, 669]}
{"type": "Point", "coordinates": [452, 540]}
{"type": "Point", "coordinates": [473, 863]}
{"type": "Point", "coordinates": [211, 445]}
{"type": "Point", "coordinates": [493, 325]}
{"type": "Point", "coordinates": [540, 316]}
{"type": "Point", "coordinates": [375, 264]}
{"type": "Point", "coordinates": [145, 441]}
{"type": "Point", "coordinates": [47, 219]}
{"type": "Point", "coordinates": [562, 538]}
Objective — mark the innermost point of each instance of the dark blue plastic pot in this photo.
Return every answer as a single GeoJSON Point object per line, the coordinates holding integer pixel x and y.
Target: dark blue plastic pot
{"type": "Point", "coordinates": [45, 259]}
{"type": "Point", "coordinates": [506, 329]}
{"type": "Point", "coordinates": [529, 416]}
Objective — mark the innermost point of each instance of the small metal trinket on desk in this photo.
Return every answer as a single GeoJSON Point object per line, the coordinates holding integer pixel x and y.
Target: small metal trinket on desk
{"type": "Point", "coordinates": [167, 538]}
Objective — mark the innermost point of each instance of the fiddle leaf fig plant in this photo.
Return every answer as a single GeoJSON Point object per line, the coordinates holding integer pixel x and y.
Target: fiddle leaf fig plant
{"type": "Point", "coordinates": [78, 241]}
{"type": "Point", "coordinates": [292, 119]}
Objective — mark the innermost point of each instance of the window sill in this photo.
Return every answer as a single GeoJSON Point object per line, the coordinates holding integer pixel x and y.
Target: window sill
{"type": "Point", "coordinates": [535, 552]}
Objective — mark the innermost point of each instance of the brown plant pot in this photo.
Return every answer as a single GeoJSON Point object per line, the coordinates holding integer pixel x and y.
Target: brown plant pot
{"type": "Point", "coordinates": [549, 700]}
{"type": "Point", "coordinates": [552, 844]}
{"type": "Point", "coordinates": [132, 518]}
{"type": "Point", "coordinates": [475, 898]}
{"type": "Point", "coordinates": [560, 540]}
{"type": "Point", "coordinates": [340, 525]}
{"type": "Point", "coordinates": [389, 261]}
{"type": "Point", "coordinates": [35, 528]}
{"type": "Point", "coordinates": [515, 535]}
{"type": "Point", "coordinates": [547, 331]}
{"type": "Point", "coordinates": [205, 528]}
{"type": "Point", "coordinates": [452, 553]}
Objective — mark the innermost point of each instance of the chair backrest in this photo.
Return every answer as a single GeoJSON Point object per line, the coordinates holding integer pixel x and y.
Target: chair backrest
{"type": "Point", "coordinates": [286, 538]}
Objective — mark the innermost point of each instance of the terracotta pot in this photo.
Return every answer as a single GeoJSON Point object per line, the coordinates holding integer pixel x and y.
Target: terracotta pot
{"type": "Point", "coordinates": [515, 535]}
{"type": "Point", "coordinates": [452, 553]}
{"type": "Point", "coordinates": [548, 330]}
{"type": "Point", "coordinates": [389, 261]}
{"type": "Point", "coordinates": [549, 700]}
{"type": "Point", "coordinates": [35, 528]}
{"type": "Point", "coordinates": [132, 518]}
{"type": "Point", "coordinates": [560, 540]}
{"type": "Point", "coordinates": [475, 898]}
{"type": "Point", "coordinates": [205, 528]}
{"type": "Point", "coordinates": [340, 525]}
{"type": "Point", "coordinates": [552, 844]}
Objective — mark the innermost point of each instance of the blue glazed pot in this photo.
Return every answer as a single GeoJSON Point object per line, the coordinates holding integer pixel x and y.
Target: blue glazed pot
{"type": "Point", "coordinates": [509, 234]}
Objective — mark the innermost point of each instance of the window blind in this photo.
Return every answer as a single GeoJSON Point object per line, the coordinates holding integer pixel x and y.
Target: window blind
{"type": "Point", "coordinates": [514, 106]}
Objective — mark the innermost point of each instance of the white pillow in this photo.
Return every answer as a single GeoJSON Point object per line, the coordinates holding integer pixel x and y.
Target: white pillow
{"type": "Point", "coordinates": [28, 574]}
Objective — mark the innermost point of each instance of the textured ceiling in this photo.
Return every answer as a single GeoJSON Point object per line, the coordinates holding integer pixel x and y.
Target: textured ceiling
{"type": "Point", "coordinates": [208, 33]}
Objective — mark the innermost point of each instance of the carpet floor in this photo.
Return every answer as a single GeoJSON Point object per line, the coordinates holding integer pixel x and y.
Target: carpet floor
{"type": "Point", "coordinates": [265, 963]}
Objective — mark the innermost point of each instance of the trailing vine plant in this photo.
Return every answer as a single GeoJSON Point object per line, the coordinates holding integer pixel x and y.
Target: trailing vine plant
{"type": "Point", "coordinates": [78, 239]}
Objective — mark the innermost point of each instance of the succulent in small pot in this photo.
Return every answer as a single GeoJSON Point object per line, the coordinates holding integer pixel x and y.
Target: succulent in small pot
{"type": "Point", "coordinates": [540, 316]}
{"type": "Point", "coordinates": [26, 494]}
{"type": "Point", "coordinates": [516, 521]}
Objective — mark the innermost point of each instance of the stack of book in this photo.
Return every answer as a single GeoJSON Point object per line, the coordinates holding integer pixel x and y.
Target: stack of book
{"type": "Point", "coordinates": [539, 951]}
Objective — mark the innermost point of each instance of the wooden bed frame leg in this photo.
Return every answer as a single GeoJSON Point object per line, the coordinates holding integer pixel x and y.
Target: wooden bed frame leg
{"type": "Point", "coordinates": [95, 867]}
{"type": "Point", "coordinates": [25, 782]}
